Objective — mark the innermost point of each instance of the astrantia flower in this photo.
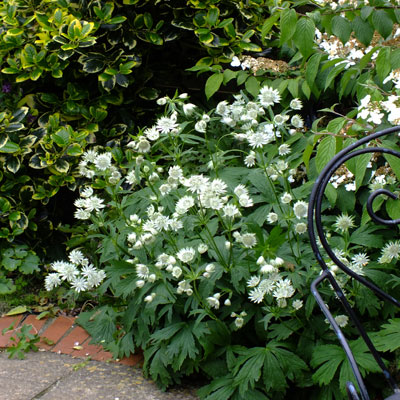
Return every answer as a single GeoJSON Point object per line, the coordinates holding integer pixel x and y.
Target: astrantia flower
{"type": "Point", "coordinates": [87, 192]}
{"type": "Point", "coordinates": [342, 320]}
{"type": "Point", "coordinates": [143, 145]}
{"type": "Point", "coordinates": [240, 189]}
{"type": "Point", "coordinates": [52, 280]}
{"type": "Point", "coordinates": [202, 248]}
{"type": "Point", "coordinates": [89, 156]}
{"type": "Point", "coordinates": [284, 289]}
{"type": "Point", "coordinates": [258, 139]}
{"type": "Point", "coordinates": [344, 222]}
{"type": "Point", "coordinates": [300, 228]}
{"type": "Point", "coordinates": [256, 295]}
{"type": "Point", "coordinates": [183, 204]}
{"type": "Point", "coordinates": [245, 200]}
{"type": "Point", "coordinates": [175, 172]}
{"type": "Point", "coordinates": [286, 198]}
{"type": "Point", "coordinates": [250, 160]}
{"type": "Point", "coordinates": [249, 240]}
{"type": "Point", "coordinates": [142, 271]}
{"type": "Point", "coordinates": [103, 161]}
{"type": "Point", "coordinates": [186, 255]}
{"type": "Point", "coordinates": [69, 272]}
{"type": "Point", "coordinates": [79, 284]}
{"type": "Point", "coordinates": [94, 203]}
{"type": "Point", "coordinates": [196, 183]}
{"type": "Point", "coordinates": [253, 281]}
{"type": "Point", "coordinates": [213, 302]}
{"type": "Point", "coordinates": [284, 149]}
{"type": "Point", "coordinates": [297, 121]}
{"type": "Point", "coordinates": [200, 126]}
{"type": "Point", "coordinates": [300, 209]}
{"type": "Point", "coordinates": [231, 211]}
{"type": "Point", "coordinates": [390, 251]}
{"type": "Point", "coordinates": [360, 259]}
{"type": "Point", "coordinates": [272, 217]}
{"type": "Point", "coordinates": [280, 119]}
{"type": "Point", "coordinates": [297, 304]}
{"type": "Point", "coordinates": [218, 186]}
{"type": "Point", "coordinates": [152, 133]}
{"type": "Point", "coordinates": [166, 125]}
{"type": "Point", "coordinates": [76, 257]}
{"type": "Point", "coordinates": [176, 272]}
{"type": "Point", "coordinates": [268, 96]}
{"type": "Point", "coordinates": [189, 109]}
{"type": "Point", "coordinates": [82, 214]}
{"type": "Point", "coordinates": [296, 104]}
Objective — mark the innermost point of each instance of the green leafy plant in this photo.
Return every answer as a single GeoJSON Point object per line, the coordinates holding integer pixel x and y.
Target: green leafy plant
{"type": "Point", "coordinates": [24, 341]}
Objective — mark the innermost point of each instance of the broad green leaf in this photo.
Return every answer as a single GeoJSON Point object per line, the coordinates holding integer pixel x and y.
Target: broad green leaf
{"type": "Point", "coordinates": [304, 36]}
{"type": "Point", "coordinates": [382, 22]}
{"type": "Point", "coordinates": [312, 68]}
{"type": "Point", "coordinates": [287, 24]}
{"type": "Point", "coordinates": [393, 208]}
{"type": "Point", "coordinates": [9, 147]}
{"type": "Point", "coordinates": [213, 84]}
{"type": "Point", "coordinates": [252, 86]}
{"type": "Point", "coordinates": [363, 31]}
{"type": "Point", "coordinates": [383, 65]}
{"type": "Point", "coordinates": [326, 150]}
{"type": "Point", "coordinates": [268, 24]}
{"type": "Point", "coordinates": [341, 27]}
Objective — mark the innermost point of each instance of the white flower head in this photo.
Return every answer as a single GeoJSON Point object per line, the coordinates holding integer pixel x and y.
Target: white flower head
{"type": "Point", "coordinates": [300, 209]}
{"type": "Point", "coordinates": [286, 198]}
{"type": "Point", "coordinates": [268, 96]}
{"type": "Point", "coordinates": [103, 161]}
{"type": "Point", "coordinates": [186, 254]}
{"type": "Point", "coordinates": [272, 217]}
{"type": "Point", "coordinates": [344, 222]}
{"type": "Point", "coordinates": [296, 104]}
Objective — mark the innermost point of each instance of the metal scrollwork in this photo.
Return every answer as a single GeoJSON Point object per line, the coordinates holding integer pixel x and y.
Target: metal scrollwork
{"type": "Point", "coordinates": [315, 226]}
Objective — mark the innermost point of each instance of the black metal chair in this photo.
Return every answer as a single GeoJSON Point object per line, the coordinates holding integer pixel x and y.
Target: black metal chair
{"type": "Point", "coordinates": [315, 224]}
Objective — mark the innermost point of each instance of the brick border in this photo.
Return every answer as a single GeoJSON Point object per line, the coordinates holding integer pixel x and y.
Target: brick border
{"type": "Point", "coordinates": [61, 335]}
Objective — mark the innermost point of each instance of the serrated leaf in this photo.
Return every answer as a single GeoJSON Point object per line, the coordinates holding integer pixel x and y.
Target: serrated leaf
{"type": "Point", "coordinates": [268, 24]}
{"type": "Point", "coordinates": [341, 27]}
{"type": "Point", "coordinates": [363, 31]}
{"type": "Point", "coordinates": [382, 22]}
{"type": "Point", "coordinates": [288, 21]}
{"type": "Point", "coordinates": [304, 36]}
{"type": "Point", "coordinates": [383, 65]}
{"type": "Point", "coordinates": [325, 152]}
{"type": "Point", "coordinates": [312, 68]}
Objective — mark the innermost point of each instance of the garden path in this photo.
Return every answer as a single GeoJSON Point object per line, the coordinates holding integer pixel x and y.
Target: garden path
{"type": "Point", "coordinates": [71, 368]}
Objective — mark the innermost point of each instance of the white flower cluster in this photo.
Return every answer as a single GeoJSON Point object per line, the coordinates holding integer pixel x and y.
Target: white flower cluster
{"type": "Point", "coordinates": [270, 282]}
{"type": "Point", "coordinates": [351, 52]}
{"type": "Point", "coordinates": [389, 252]}
{"type": "Point", "coordinates": [244, 117]}
{"type": "Point", "coordinates": [93, 164]}
{"type": "Point", "coordinates": [356, 263]}
{"type": "Point", "coordinates": [87, 203]}
{"type": "Point", "coordinates": [78, 272]}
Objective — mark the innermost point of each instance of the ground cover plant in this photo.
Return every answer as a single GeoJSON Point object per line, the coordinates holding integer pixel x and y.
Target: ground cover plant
{"type": "Point", "coordinates": [188, 229]}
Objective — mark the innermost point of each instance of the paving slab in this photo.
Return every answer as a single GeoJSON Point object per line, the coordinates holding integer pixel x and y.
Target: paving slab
{"type": "Point", "coordinates": [52, 376]}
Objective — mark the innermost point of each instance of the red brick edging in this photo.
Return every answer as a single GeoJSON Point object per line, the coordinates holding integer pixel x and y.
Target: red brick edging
{"type": "Point", "coordinates": [60, 335]}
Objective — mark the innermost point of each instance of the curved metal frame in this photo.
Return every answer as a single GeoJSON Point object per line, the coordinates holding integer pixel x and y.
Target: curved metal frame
{"type": "Point", "coordinates": [314, 221]}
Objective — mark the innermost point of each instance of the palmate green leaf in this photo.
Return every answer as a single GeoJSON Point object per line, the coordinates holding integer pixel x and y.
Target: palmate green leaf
{"type": "Point", "coordinates": [328, 358]}
{"type": "Point", "coordinates": [388, 338]}
{"type": "Point", "coordinates": [155, 364]}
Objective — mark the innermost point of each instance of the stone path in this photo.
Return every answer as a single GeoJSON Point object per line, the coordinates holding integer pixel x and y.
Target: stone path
{"type": "Point", "coordinates": [63, 371]}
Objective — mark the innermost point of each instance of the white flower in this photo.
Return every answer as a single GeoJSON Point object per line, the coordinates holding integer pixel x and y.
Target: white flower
{"type": "Point", "coordinates": [249, 240]}
{"type": "Point", "coordinates": [200, 126]}
{"type": "Point", "coordinates": [390, 251]}
{"type": "Point", "coordinates": [300, 228]}
{"type": "Point", "coordinates": [140, 283]}
{"type": "Point", "coordinates": [257, 295]}
{"type": "Point", "coordinates": [162, 101]}
{"type": "Point", "coordinates": [142, 271]}
{"type": "Point", "coordinates": [175, 172]}
{"type": "Point", "coordinates": [89, 156]}
{"type": "Point", "coordinates": [272, 217]}
{"type": "Point", "coordinates": [103, 161]}
{"type": "Point", "coordinates": [52, 280]}
{"type": "Point", "coordinates": [250, 160]}
{"type": "Point", "coordinates": [186, 254]}
{"type": "Point", "coordinates": [344, 222]}
{"type": "Point", "coordinates": [150, 298]}
{"type": "Point", "coordinates": [297, 121]}
{"type": "Point", "coordinates": [76, 257]}
{"type": "Point", "coordinates": [240, 189]}
{"type": "Point", "coordinates": [183, 204]}
{"type": "Point", "coordinates": [189, 109]}
{"type": "Point", "coordinates": [284, 289]}
{"type": "Point", "coordinates": [235, 62]}
{"type": "Point", "coordinates": [166, 125]}
{"type": "Point", "coordinates": [176, 272]}
{"type": "Point", "coordinates": [152, 133]}
{"type": "Point", "coordinates": [342, 320]}
{"type": "Point", "coordinates": [79, 284]}
{"type": "Point", "coordinates": [239, 321]}
{"type": "Point", "coordinates": [69, 272]}
{"type": "Point", "coordinates": [360, 259]}
{"type": "Point", "coordinates": [280, 119]}
{"type": "Point", "coordinates": [268, 96]}
{"type": "Point", "coordinates": [284, 149]}
{"type": "Point", "coordinates": [94, 203]}
{"type": "Point", "coordinates": [231, 211]}
{"type": "Point", "coordinates": [196, 183]}
{"type": "Point", "coordinates": [213, 302]}
{"type": "Point", "coordinates": [227, 302]}
{"type": "Point", "coordinates": [268, 269]}
{"type": "Point", "coordinates": [300, 209]}
{"type": "Point", "coordinates": [253, 281]}
{"type": "Point", "coordinates": [210, 268]}
{"type": "Point", "coordinates": [297, 304]}
{"type": "Point", "coordinates": [350, 187]}
{"type": "Point", "coordinates": [296, 104]}
{"type": "Point", "coordinates": [87, 192]}
{"type": "Point", "coordinates": [202, 248]}
{"type": "Point", "coordinates": [143, 145]}
{"type": "Point", "coordinates": [245, 200]}
{"type": "Point", "coordinates": [286, 198]}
